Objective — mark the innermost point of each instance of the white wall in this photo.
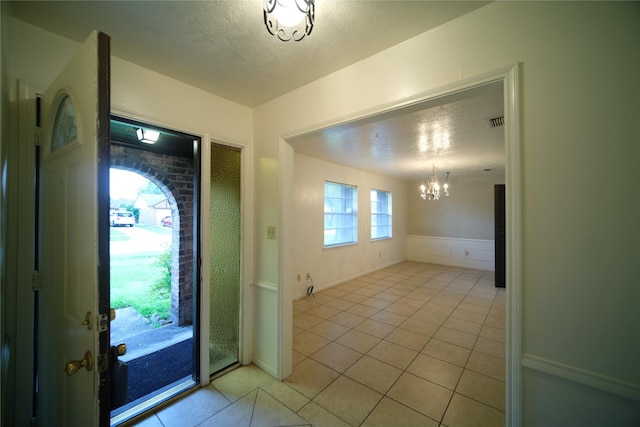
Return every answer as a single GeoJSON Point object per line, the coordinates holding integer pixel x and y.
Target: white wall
{"type": "Point", "coordinates": [135, 91]}
{"type": "Point", "coordinates": [579, 109]}
{"type": "Point", "coordinates": [331, 266]}
{"type": "Point", "coordinates": [466, 214]}
{"type": "Point", "coordinates": [456, 230]}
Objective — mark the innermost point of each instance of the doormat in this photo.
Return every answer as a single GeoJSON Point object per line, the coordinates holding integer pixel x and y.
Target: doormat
{"type": "Point", "coordinates": [156, 370]}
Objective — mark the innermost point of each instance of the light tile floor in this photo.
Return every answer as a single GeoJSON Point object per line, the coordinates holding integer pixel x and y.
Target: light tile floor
{"type": "Point", "coordinates": [414, 344]}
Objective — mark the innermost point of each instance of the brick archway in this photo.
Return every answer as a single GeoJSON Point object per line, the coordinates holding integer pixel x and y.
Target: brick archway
{"type": "Point", "coordinates": [175, 177]}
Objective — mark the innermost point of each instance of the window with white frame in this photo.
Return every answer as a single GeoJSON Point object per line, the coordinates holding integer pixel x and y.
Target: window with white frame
{"type": "Point", "coordinates": [340, 214]}
{"type": "Point", "coordinates": [381, 220]}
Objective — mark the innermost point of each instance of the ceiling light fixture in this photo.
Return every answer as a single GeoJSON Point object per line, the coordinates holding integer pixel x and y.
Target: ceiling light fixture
{"type": "Point", "coordinates": [147, 136]}
{"type": "Point", "coordinates": [289, 19]}
{"type": "Point", "coordinates": [432, 190]}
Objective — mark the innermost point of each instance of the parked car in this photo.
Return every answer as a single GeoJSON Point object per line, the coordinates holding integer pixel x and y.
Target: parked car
{"type": "Point", "coordinates": [166, 221]}
{"type": "Point", "coordinates": [123, 218]}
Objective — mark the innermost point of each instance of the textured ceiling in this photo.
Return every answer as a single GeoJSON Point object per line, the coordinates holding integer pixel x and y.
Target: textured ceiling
{"type": "Point", "coordinates": [452, 133]}
{"type": "Point", "coordinates": [223, 47]}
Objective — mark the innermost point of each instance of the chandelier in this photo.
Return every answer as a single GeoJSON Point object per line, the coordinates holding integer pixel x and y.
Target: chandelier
{"type": "Point", "coordinates": [289, 19]}
{"type": "Point", "coordinates": [432, 190]}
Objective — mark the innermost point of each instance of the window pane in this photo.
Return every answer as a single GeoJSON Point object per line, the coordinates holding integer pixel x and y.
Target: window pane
{"type": "Point", "coordinates": [65, 129]}
{"type": "Point", "coordinates": [381, 219]}
{"type": "Point", "coordinates": [340, 214]}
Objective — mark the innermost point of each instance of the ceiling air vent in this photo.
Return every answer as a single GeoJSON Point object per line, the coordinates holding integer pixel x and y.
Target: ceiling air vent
{"type": "Point", "coordinates": [496, 122]}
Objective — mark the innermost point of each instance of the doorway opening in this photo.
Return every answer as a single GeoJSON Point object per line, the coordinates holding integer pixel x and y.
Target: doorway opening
{"type": "Point", "coordinates": [509, 80]}
{"type": "Point", "coordinates": [154, 253]}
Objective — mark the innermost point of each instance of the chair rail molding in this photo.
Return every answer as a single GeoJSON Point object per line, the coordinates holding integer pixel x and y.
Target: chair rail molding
{"type": "Point", "coordinates": [582, 376]}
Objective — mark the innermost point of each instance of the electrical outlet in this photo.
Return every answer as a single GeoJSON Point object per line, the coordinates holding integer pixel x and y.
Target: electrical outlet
{"type": "Point", "coordinates": [271, 232]}
{"type": "Point", "coordinates": [308, 276]}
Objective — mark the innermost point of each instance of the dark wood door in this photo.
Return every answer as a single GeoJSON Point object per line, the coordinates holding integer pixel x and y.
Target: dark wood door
{"type": "Point", "coordinates": [500, 235]}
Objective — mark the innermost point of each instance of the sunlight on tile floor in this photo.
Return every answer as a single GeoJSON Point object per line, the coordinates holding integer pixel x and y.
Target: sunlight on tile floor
{"type": "Point", "coordinates": [414, 344]}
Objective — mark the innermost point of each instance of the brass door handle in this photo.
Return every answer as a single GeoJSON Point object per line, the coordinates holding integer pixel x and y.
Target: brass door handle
{"type": "Point", "coordinates": [74, 366]}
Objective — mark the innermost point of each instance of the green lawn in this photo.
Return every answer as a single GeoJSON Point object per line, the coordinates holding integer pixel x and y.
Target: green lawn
{"type": "Point", "coordinates": [134, 279]}
{"type": "Point", "coordinates": [155, 228]}
{"type": "Point", "coordinates": [118, 235]}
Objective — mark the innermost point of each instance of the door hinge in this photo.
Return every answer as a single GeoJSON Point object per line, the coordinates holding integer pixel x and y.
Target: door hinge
{"type": "Point", "coordinates": [36, 136]}
{"type": "Point", "coordinates": [35, 283]}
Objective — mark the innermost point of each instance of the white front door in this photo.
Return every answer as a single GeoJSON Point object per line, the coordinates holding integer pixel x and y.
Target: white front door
{"type": "Point", "coordinates": [72, 322]}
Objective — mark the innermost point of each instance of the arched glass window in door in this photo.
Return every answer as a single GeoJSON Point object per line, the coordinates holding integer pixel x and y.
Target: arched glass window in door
{"type": "Point", "coordinates": [65, 129]}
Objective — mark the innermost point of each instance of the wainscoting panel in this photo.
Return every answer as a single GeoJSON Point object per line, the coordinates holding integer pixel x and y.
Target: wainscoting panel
{"type": "Point", "coordinates": [265, 327]}
{"type": "Point", "coordinates": [436, 250]}
{"type": "Point", "coordinates": [559, 395]}
{"type": "Point", "coordinates": [469, 253]}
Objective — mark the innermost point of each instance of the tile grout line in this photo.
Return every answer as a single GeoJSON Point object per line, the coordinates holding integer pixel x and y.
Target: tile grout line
{"type": "Point", "coordinates": [440, 290]}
